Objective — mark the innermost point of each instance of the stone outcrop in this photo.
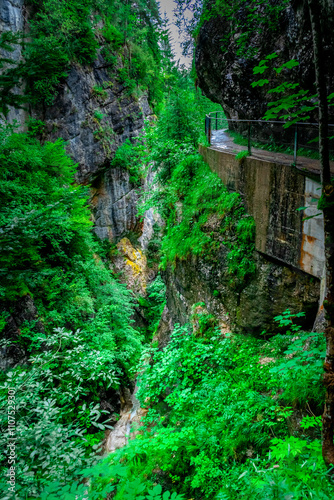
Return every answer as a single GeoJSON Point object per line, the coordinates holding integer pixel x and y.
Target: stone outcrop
{"type": "Point", "coordinates": [95, 114]}
{"type": "Point", "coordinates": [225, 75]}
{"type": "Point", "coordinates": [132, 263]}
{"type": "Point", "coordinates": [273, 289]}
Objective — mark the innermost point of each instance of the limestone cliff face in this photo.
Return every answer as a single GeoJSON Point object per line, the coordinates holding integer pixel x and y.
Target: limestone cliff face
{"type": "Point", "coordinates": [226, 77]}
{"type": "Point", "coordinates": [95, 123]}
{"type": "Point", "coordinates": [95, 114]}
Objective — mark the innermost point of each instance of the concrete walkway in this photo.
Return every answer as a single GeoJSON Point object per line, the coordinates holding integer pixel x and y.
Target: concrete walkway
{"type": "Point", "coordinates": [222, 141]}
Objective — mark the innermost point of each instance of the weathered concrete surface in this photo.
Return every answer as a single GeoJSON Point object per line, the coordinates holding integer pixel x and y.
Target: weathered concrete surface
{"type": "Point", "coordinates": [312, 259]}
{"type": "Point", "coordinates": [272, 194]}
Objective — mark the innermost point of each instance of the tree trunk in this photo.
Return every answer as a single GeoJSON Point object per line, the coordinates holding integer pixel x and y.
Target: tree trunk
{"type": "Point", "coordinates": [327, 205]}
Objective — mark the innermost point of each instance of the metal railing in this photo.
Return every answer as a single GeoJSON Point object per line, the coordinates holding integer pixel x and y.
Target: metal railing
{"type": "Point", "coordinates": [299, 138]}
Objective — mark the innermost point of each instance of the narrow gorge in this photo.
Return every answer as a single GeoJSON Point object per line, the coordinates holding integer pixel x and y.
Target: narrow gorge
{"type": "Point", "coordinates": [162, 299]}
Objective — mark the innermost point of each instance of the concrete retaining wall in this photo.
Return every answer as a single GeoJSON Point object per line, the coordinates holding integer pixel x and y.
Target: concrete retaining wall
{"type": "Point", "coordinates": [272, 194]}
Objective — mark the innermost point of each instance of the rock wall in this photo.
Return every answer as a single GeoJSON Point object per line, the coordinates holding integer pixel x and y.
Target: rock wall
{"type": "Point", "coordinates": [94, 122]}
{"type": "Point", "coordinates": [226, 77]}
{"type": "Point", "coordinates": [251, 309]}
{"type": "Point", "coordinates": [13, 18]}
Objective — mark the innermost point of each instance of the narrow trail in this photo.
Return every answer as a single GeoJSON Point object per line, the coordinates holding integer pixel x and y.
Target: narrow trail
{"type": "Point", "coordinates": [222, 141]}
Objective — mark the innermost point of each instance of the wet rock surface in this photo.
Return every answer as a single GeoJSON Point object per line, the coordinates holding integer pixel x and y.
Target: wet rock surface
{"type": "Point", "coordinates": [225, 75]}
{"type": "Point", "coordinates": [247, 309]}
{"type": "Point", "coordinates": [129, 418]}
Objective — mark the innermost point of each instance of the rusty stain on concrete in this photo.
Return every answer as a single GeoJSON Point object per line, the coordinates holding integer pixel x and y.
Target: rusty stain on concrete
{"type": "Point", "coordinates": [272, 194]}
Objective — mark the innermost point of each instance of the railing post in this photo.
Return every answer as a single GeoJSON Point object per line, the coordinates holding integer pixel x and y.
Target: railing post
{"type": "Point", "coordinates": [216, 120]}
{"type": "Point", "coordinates": [209, 130]}
{"type": "Point", "coordinates": [249, 139]}
{"type": "Point", "coordinates": [206, 126]}
{"type": "Point", "coordinates": [295, 148]}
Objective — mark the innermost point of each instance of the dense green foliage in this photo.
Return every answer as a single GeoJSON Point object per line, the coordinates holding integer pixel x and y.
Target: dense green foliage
{"type": "Point", "coordinates": [129, 36]}
{"type": "Point", "coordinates": [129, 157]}
{"type": "Point", "coordinates": [216, 407]}
{"type": "Point", "coordinates": [48, 253]}
{"type": "Point", "coordinates": [200, 213]}
{"type": "Point", "coordinates": [221, 421]}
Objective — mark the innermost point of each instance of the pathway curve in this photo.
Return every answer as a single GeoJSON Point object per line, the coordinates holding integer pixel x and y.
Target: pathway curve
{"type": "Point", "coordinates": [222, 141]}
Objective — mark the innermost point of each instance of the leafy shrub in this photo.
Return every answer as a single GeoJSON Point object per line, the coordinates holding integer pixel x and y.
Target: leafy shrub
{"type": "Point", "coordinates": [216, 426]}
{"type": "Point", "coordinates": [48, 252]}
{"type": "Point", "coordinates": [36, 128]}
{"type": "Point", "coordinates": [198, 210]}
{"type": "Point", "coordinates": [113, 36]}
{"type": "Point", "coordinates": [128, 156]}
{"type": "Point", "coordinates": [107, 478]}
{"type": "Point", "coordinates": [100, 92]}
{"type": "Point", "coordinates": [300, 371]}
{"type": "Point", "coordinates": [98, 115]}
{"type": "Point", "coordinates": [202, 398]}
{"type": "Point", "coordinates": [50, 424]}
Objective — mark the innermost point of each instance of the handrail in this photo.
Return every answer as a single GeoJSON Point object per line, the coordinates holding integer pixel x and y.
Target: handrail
{"type": "Point", "coordinates": [237, 120]}
{"type": "Point", "coordinates": [213, 117]}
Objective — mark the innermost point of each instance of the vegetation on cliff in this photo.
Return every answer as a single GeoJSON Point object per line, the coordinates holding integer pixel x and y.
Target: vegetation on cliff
{"type": "Point", "coordinates": [128, 36]}
{"type": "Point", "coordinates": [199, 211]}
{"type": "Point", "coordinates": [228, 416]}
{"type": "Point", "coordinates": [80, 345]}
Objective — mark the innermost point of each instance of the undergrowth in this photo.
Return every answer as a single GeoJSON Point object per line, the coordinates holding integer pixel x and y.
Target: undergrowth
{"type": "Point", "coordinates": [200, 213]}
{"type": "Point", "coordinates": [221, 420]}
{"type": "Point", "coordinates": [75, 344]}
